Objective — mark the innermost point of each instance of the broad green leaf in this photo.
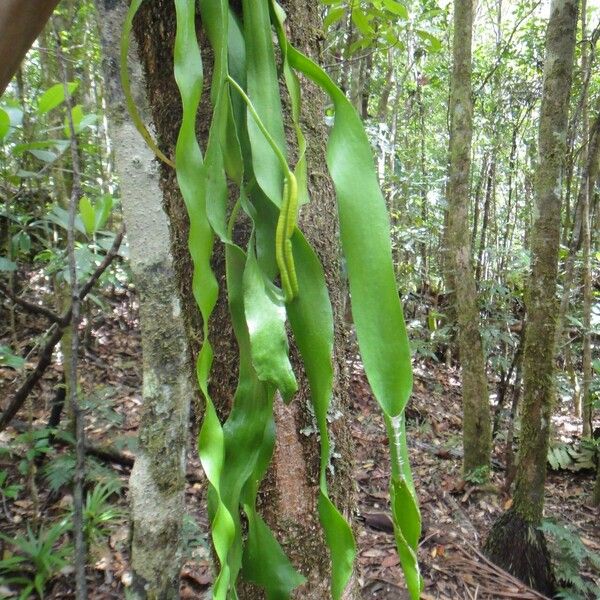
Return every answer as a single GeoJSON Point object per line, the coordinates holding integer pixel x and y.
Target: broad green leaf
{"type": "Point", "coordinates": [80, 120]}
{"type": "Point", "coordinates": [359, 18]}
{"type": "Point", "coordinates": [7, 265]}
{"type": "Point", "coordinates": [4, 123]}
{"type": "Point", "coordinates": [44, 155]}
{"type": "Point", "coordinates": [58, 146]}
{"type": "Point", "coordinates": [15, 114]}
{"type": "Point", "coordinates": [54, 96]}
{"type": "Point", "coordinates": [87, 213]}
{"type": "Point", "coordinates": [26, 174]}
{"type": "Point", "coordinates": [60, 216]}
{"type": "Point", "coordinates": [104, 207]}
{"type": "Point", "coordinates": [333, 16]}
{"type": "Point", "coordinates": [8, 359]}
{"type": "Point", "coordinates": [433, 42]}
{"type": "Point", "coordinates": [76, 115]}
{"type": "Point", "coordinates": [397, 8]}
{"type": "Point", "coordinates": [22, 242]}
{"type": "Point", "coordinates": [265, 318]}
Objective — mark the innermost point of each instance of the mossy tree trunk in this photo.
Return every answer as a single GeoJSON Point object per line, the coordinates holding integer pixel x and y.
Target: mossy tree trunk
{"type": "Point", "coordinates": [515, 542]}
{"type": "Point", "coordinates": [588, 183]}
{"type": "Point", "coordinates": [477, 436]}
{"type": "Point", "coordinates": [289, 494]}
{"type": "Point", "coordinates": [157, 482]}
{"type": "Point", "coordinates": [596, 495]}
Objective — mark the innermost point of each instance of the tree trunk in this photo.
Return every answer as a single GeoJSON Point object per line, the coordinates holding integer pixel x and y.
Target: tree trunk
{"type": "Point", "coordinates": [476, 408]}
{"type": "Point", "coordinates": [515, 543]}
{"type": "Point", "coordinates": [157, 482]}
{"type": "Point", "coordinates": [586, 395]}
{"type": "Point", "coordinates": [596, 495]}
{"type": "Point", "coordinates": [491, 175]}
{"type": "Point", "coordinates": [290, 489]}
{"type": "Point", "coordinates": [477, 201]}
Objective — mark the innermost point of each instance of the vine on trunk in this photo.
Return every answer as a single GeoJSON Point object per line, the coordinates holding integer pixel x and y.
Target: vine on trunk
{"type": "Point", "coordinates": [247, 146]}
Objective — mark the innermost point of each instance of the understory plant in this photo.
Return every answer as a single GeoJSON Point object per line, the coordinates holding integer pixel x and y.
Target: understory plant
{"type": "Point", "coordinates": [571, 557]}
{"type": "Point", "coordinates": [247, 149]}
{"type": "Point", "coordinates": [37, 558]}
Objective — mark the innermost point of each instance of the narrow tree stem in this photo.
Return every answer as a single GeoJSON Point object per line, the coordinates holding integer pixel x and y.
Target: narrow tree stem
{"type": "Point", "coordinates": [78, 412]}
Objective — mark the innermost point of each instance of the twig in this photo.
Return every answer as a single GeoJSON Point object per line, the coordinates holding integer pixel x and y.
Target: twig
{"type": "Point", "coordinates": [506, 45]}
{"type": "Point", "coordinates": [110, 256]}
{"type": "Point", "coordinates": [21, 394]}
{"type": "Point", "coordinates": [30, 306]}
{"type": "Point", "coordinates": [105, 452]}
{"type": "Point", "coordinates": [496, 569]}
{"type": "Point", "coordinates": [78, 412]}
{"type": "Point", "coordinates": [19, 397]}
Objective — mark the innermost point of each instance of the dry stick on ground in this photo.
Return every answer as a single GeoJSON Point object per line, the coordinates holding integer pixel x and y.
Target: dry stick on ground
{"type": "Point", "coordinates": [485, 569]}
{"type": "Point", "coordinates": [19, 397]}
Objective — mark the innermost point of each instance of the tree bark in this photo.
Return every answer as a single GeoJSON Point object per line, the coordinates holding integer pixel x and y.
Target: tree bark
{"type": "Point", "coordinates": [157, 482]}
{"type": "Point", "coordinates": [476, 409]}
{"type": "Point", "coordinates": [596, 494]}
{"type": "Point", "coordinates": [515, 543]}
{"type": "Point", "coordinates": [289, 493]}
{"type": "Point", "coordinates": [491, 176]}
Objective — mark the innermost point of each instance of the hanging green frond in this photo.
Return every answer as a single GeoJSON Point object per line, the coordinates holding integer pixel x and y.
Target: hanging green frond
{"type": "Point", "coordinates": [246, 145]}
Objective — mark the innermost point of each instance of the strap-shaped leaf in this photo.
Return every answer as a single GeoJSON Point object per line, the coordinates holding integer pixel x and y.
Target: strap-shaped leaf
{"type": "Point", "coordinates": [235, 457]}
{"type": "Point", "coordinates": [264, 561]}
{"type": "Point", "coordinates": [405, 510]}
{"type": "Point", "coordinates": [263, 90]}
{"type": "Point", "coordinates": [251, 413]}
{"type": "Point", "coordinates": [191, 180]}
{"type": "Point", "coordinates": [262, 548]}
{"type": "Point", "coordinates": [294, 91]}
{"type": "Point", "coordinates": [265, 318]}
{"type": "Point", "coordinates": [311, 319]}
{"type": "Point", "coordinates": [376, 308]}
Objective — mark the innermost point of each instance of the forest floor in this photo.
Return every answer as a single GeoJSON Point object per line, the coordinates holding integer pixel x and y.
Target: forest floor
{"type": "Point", "coordinates": [456, 514]}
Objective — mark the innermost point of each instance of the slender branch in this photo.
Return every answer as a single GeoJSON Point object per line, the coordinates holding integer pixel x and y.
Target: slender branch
{"type": "Point", "coordinates": [16, 402]}
{"type": "Point", "coordinates": [21, 394]}
{"type": "Point", "coordinates": [30, 306]}
{"type": "Point", "coordinates": [110, 256]}
{"type": "Point", "coordinates": [73, 388]}
{"type": "Point", "coordinates": [506, 45]}
{"type": "Point", "coordinates": [105, 452]}
{"type": "Point", "coordinates": [83, 291]}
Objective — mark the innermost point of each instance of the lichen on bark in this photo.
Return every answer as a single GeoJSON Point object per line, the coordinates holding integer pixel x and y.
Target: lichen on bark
{"type": "Point", "coordinates": [157, 482]}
